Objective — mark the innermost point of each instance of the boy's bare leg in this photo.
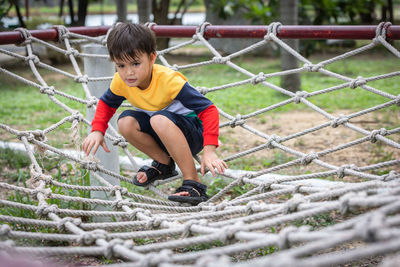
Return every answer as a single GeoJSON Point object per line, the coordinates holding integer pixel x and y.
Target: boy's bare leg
{"type": "Point", "coordinates": [177, 146]}
{"type": "Point", "coordinates": [130, 129]}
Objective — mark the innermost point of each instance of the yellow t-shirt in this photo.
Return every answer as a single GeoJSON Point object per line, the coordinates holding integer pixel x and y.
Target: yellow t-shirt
{"type": "Point", "coordinates": [164, 87]}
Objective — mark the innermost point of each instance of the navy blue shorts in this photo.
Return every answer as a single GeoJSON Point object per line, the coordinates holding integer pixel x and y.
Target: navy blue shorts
{"type": "Point", "coordinates": [191, 127]}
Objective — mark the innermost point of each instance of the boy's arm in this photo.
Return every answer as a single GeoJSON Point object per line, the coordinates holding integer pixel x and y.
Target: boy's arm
{"type": "Point", "coordinates": [108, 104]}
{"type": "Point", "coordinates": [106, 108]}
{"type": "Point", "coordinates": [208, 114]}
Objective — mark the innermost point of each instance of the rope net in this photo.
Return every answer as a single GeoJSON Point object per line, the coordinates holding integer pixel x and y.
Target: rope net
{"type": "Point", "coordinates": [282, 214]}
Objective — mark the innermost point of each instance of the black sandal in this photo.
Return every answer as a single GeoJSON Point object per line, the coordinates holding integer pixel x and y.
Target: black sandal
{"type": "Point", "coordinates": [157, 171]}
{"type": "Point", "coordinates": [196, 190]}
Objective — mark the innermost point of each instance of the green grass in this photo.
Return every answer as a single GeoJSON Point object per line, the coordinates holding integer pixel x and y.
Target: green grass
{"type": "Point", "coordinates": [247, 98]}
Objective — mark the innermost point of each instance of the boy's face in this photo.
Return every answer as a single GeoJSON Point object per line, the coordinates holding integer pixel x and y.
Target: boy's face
{"type": "Point", "coordinates": [136, 72]}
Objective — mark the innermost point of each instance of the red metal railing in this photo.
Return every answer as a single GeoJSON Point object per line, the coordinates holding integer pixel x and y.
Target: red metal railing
{"type": "Point", "coordinates": [214, 31]}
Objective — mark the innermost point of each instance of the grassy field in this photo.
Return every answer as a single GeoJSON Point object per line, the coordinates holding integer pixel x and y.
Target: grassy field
{"type": "Point", "coordinates": [24, 108]}
{"type": "Point", "coordinates": [23, 105]}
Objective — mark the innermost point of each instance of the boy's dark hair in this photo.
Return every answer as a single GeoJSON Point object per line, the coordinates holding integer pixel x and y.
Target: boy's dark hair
{"type": "Point", "coordinates": [128, 40]}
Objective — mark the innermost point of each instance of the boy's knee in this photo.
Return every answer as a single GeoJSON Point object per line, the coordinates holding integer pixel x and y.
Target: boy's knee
{"type": "Point", "coordinates": [159, 121]}
{"type": "Point", "coordinates": [127, 124]}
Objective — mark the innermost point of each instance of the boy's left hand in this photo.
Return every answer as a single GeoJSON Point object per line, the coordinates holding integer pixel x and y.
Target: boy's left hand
{"type": "Point", "coordinates": [211, 161]}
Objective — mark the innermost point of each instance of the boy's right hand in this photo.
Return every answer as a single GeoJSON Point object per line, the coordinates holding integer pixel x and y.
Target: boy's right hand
{"type": "Point", "coordinates": [94, 140]}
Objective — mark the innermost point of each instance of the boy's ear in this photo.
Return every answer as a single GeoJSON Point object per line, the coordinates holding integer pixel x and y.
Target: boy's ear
{"type": "Point", "coordinates": [153, 57]}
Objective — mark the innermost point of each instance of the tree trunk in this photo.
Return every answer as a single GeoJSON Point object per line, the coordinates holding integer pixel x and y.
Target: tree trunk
{"type": "Point", "coordinates": [391, 13]}
{"type": "Point", "coordinates": [82, 11]}
{"type": "Point", "coordinates": [71, 11]}
{"type": "Point", "coordinates": [61, 12]}
{"type": "Point", "coordinates": [144, 10]}
{"type": "Point", "coordinates": [289, 16]}
{"type": "Point", "coordinates": [160, 12]}
{"type": "Point", "coordinates": [20, 18]}
{"type": "Point", "coordinates": [122, 10]}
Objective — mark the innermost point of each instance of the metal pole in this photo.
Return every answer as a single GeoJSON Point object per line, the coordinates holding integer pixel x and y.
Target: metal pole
{"type": "Point", "coordinates": [100, 67]}
{"type": "Point", "coordinates": [365, 32]}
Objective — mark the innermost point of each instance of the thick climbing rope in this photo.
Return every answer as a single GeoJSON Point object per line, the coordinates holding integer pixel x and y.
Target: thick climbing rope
{"type": "Point", "coordinates": [266, 216]}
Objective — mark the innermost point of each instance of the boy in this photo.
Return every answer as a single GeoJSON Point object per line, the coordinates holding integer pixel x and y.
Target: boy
{"type": "Point", "coordinates": [169, 117]}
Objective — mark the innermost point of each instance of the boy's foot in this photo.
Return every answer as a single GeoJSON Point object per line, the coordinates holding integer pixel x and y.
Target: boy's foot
{"type": "Point", "coordinates": [157, 171]}
{"type": "Point", "coordinates": [195, 193]}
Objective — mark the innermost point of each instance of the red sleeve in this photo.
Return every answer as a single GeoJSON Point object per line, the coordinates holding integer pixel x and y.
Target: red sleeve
{"type": "Point", "coordinates": [210, 119]}
{"type": "Point", "coordinates": [102, 116]}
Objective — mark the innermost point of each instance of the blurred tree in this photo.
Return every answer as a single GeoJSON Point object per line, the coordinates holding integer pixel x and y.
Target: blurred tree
{"type": "Point", "coordinates": [82, 12]}
{"type": "Point", "coordinates": [122, 10]}
{"type": "Point", "coordinates": [144, 10]}
{"type": "Point", "coordinates": [387, 11]}
{"type": "Point", "coordinates": [161, 10]}
{"type": "Point", "coordinates": [5, 6]}
{"type": "Point", "coordinates": [18, 11]}
{"type": "Point", "coordinates": [289, 16]}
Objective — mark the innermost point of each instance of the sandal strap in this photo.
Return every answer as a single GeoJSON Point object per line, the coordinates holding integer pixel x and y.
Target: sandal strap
{"type": "Point", "coordinates": [150, 172]}
{"type": "Point", "coordinates": [195, 189]}
{"type": "Point", "coordinates": [164, 168]}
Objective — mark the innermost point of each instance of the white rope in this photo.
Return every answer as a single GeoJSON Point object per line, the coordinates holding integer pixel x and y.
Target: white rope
{"type": "Point", "coordinates": [259, 218]}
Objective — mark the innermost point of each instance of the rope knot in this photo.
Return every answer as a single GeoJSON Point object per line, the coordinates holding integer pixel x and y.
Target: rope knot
{"type": "Point", "coordinates": [227, 234]}
{"type": "Point", "coordinates": [369, 227]}
{"type": "Point", "coordinates": [357, 82]}
{"type": "Point", "coordinates": [220, 60]}
{"type": "Point", "coordinates": [284, 242]}
{"type": "Point", "coordinates": [202, 90]}
{"type": "Point", "coordinates": [222, 205]}
{"type": "Point", "coordinates": [81, 79]}
{"type": "Point", "coordinates": [375, 133]}
{"type": "Point", "coordinates": [115, 188]}
{"type": "Point", "coordinates": [312, 67]}
{"type": "Point", "coordinates": [91, 102]}
{"type": "Point", "coordinates": [271, 139]}
{"type": "Point", "coordinates": [345, 202]}
{"type": "Point", "coordinates": [258, 78]}
{"type": "Point", "coordinates": [272, 30]}
{"type": "Point", "coordinates": [299, 95]}
{"type": "Point", "coordinates": [339, 121]}
{"type": "Point", "coordinates": [200, 30]}
{"type": "Point", "coordinates": [133, 213]}
{"type": "Point", "coordinates": [26, 35]}
{"type": "Point", "coordinates": [61, 223]}
{"type": "Point", "coordinates": [47, 90]}
{"type": "Point", "coordinates": [5, 229]}
{"type": "Point", "coordinates": [341, 171]}
{"type": "Point", "coordinates": [380, 32]}
{"type": "Point", "coordinates": [397, 100]}
{"type": "Point", "coordinates": [72, 51]}
{"type": "Point", "coordinates": [44, 209]}
{"type": "Point", "coordinates": [307, 159]}
{"type": "Point", "coordinates": [175, 67]}
{"type": "Point", "coordinates": [39, 135]}
{"type": "Point", "coordinates": [32, 58]}
{"type": "Point", "coordinates": [155, 222]}
{"type": "Point", "coordinates": [155, 258]}
{"type": "Point", "coordinates": [390, 176]}
{"type": "Point", "coordinates": [250, 207]}
{"type": "Point", "coordinates": [187, 228]}
{"type": "Point", "coordinates": [292, 204]}
{"type": "Point", "coordinates": [110, 247]}
{"type": "Point", "coordinates": [89, 165]}
{"type": "Point", "coordinates": [88, 238]}
{"type": "Point", "coordinates": [63, 32]}
{"type": "Point", "coordinates": [117, 204]}
{"type": "Point", "coordinates": [120, 141]}
{"type": "Point", "coordinates": [237, 121]}
{"type": "Point", "coordinates": [76, 116]}
{"type": "Point", "coordinates": [263, 187]}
